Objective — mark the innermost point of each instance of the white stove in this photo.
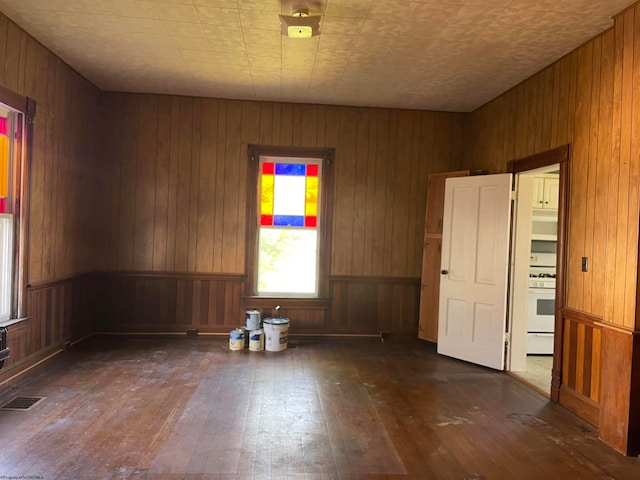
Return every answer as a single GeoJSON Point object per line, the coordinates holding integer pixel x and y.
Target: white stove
{"type": "Point", "coordinates": [542, 293]}
{"type": "Point", "coordinates": [542, 278]}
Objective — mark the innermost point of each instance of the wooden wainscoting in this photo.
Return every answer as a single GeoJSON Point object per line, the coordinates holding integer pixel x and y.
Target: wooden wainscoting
{"type": "Point", "coordinates": [581, 365]}
{"type": "Point", "coordinates": [619, 415]}
{"type": "Point", "coordinates": [171, 302]}
{"type": "Point", "coordinates": [307, 315]}
{"type": "Point", "coordinates": [214, 303]}
{"type": "Point", "coordinates": [58, 312]}
{"type": "Point", "coordinates": [374, 304]}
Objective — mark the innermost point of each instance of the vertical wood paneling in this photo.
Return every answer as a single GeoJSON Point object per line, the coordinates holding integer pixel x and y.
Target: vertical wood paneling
{"type": "Point", "coordinates": [220, 188]}
{"type": "Point", "coordinates": [69, 221]}
{"type": "Point", "coordinates": [179, 179]}
{"type": "Point", "coordinates": [233, 234]}
{"type": "Point", "coordinates": [379, 204]}
{"type": "Point", "coordinates": [578, 174]}
{"type": "Point", "coordinates": [581, 356]}
{"type": "Point", "coordinates": [359, 180]}
{"type": "Point", "coordinates": [145, 196]}
{"type": "Point", "coordinates": [631, 299]}
{"type": "Point", "coordinates": [589, 94]}
{"type": "Point", "coordinates": [162, 173]}
{"type": "Point", "coordinates": [206, 187]}
{"type": "Point", "coordinates": [184, 181]}
{"type": "Point", "coordinates": [194, 204]}
{"type": "Point", "coordinates": [624, 180]}
{"type": "Point", "coordinates": [602, 175]}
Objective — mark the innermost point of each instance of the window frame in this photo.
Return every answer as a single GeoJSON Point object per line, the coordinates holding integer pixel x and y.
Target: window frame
{"type": "Point", "coordinates": [24, 109]}
{"type": "Point", "coordinates": [327, 157]}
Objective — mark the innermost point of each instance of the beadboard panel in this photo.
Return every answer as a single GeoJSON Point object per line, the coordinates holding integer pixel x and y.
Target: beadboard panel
{"type": "Point", "coordinates": [581, 365]}
{"type": "Point", "coordinates": [59, 312]}
{"type": "Point", "coordinates": [212, 303]}
{"type": "Point", "coordinates": [178, 179]}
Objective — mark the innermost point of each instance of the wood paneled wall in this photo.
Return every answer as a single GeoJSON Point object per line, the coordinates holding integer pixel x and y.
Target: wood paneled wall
{"type": "Point", "coordinates": [587, 100]}
{"type": "Point", "coordinates": [374, 305]}
{"type": "Point", "coordinates": [65, 231]}
{"type": "Point", "coordinates": [65, 173]}
{"type": "Point", "coordinates": [213, 303]}
{"type": "Point", "coordinates": [168, 302]}
{"type": "Point", "coordinates": [581, 365]}
{"type": "Point", "coordinates": [178, 179]}
{"type": "Point", "coordinates": [59, 312]}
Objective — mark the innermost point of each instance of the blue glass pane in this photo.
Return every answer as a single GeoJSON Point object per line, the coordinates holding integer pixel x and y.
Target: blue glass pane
{"type": "Point", "coordinates": [297, 169]}
{"type": "Point", "coordinates": [288, 221]}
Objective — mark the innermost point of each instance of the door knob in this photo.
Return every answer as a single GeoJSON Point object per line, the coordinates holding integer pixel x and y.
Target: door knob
{"type": "Point", "coordinates": [444, 272]}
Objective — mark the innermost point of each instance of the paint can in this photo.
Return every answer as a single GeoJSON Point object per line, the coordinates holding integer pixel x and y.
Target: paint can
{"type": "Point", "coordinates": [236, 339]}
{"type": "Point", "coordinates": [253, 320]}
{"type": "Point", "coordinates": [256, 340]}
{"type": "Point", "coordinates": [246, 335]}
{"type": "Point", "coordinates": [276, 333]}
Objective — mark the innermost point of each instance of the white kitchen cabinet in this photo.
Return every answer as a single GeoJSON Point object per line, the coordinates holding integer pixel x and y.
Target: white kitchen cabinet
{"type": "Point", "coordinates": [546, 189]}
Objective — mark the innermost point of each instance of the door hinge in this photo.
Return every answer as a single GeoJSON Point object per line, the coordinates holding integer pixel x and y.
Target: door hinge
{"type": "Point", "coordinates": [514, 195]}
{"type": "Point", "coordinates": [507, 338]}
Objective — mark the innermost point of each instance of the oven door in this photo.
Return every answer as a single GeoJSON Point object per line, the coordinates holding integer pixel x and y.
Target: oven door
{"type": "Point", "coordinates": [542, 306]}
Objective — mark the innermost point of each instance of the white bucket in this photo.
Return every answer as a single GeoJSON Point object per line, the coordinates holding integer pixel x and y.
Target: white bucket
{"type": "Point", "coordinates": [253, 320]}
{"type": "Point", "coordinates": [236, 339]}
{"type": "Point", "coordinates": [256, 340]}
{"type": "Point", "coordinates": [276, 332]}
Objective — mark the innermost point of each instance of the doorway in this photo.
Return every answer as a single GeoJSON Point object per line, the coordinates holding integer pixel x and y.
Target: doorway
{"type": "Point", "coordinates": [537, 258]}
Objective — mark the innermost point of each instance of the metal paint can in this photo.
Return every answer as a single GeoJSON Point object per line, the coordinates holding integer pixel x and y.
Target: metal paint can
{"type": "Point", "coordinates": [246, 335]}
{"type": "Point", "coordinates": [256, 340]}
{"type": "Point", "coordinates": [236, 339]}
{"type": "Point", "coordinates": [253, 320]}
{"type": "Point", "coordinates": [276, 332]}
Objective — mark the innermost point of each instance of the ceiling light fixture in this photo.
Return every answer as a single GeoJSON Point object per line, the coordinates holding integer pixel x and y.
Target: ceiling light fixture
{"type": "Point", "coordinates": [300, 24]}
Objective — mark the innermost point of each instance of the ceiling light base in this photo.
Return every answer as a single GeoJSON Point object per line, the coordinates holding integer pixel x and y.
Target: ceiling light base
{"type": "Point", "coordinates": [300, 24]}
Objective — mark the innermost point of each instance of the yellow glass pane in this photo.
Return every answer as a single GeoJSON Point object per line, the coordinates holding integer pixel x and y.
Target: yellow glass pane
{"type": "Point", "coordinates": [311, 204]}
{"type": "Point", "coordinates": [266, 195]}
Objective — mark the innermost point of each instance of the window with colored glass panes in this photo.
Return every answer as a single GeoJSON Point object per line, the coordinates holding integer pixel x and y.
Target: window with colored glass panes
{"type": "Point", "coordinates": [288, 219]}
{"type": "Point", "coordinates": [6, 214]}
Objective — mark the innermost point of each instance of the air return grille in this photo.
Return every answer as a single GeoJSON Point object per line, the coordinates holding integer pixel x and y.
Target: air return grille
{"type": "Point", "coordinates": [21, 403]}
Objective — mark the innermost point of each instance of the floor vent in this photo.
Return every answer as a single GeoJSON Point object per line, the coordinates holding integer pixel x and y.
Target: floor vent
{"type": "Point", "coordinates": [21, 403]}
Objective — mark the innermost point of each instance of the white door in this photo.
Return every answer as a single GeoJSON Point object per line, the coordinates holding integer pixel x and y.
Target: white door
{"type": "Point", "coordinates": [474, 268]}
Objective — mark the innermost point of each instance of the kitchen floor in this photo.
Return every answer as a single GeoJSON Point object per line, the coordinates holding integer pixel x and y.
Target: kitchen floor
{"type": "Point", "coordinates": [538, 372]}
{"type": "Point", "coordinates": [169, 408]}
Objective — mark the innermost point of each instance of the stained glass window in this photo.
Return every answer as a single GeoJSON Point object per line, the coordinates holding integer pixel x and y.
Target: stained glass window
{"type": "Point", "coordinates": [288, 208]}
{"type": "Point", "coordinates": [4, 163]}
{"type": "Point", "coordinates": [6, 215]}
{"type": "Point", "coordinates": [289, 194]}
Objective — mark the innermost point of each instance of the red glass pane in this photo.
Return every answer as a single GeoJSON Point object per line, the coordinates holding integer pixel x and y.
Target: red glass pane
{"type": "Point", "coordinates": [267, 168]}
{"type": "Point", "coordinates": [311, 221]}
{"type": "Point", "coordinates": [3, 206]}
{"type": "Point", "coordinates": [312, 170]}
{"type": "Point", "coordinates": [266, 220]}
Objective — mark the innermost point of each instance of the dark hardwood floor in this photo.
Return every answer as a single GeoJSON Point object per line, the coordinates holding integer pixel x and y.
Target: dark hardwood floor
{"type": "Point", "coordinates": [188, 408]}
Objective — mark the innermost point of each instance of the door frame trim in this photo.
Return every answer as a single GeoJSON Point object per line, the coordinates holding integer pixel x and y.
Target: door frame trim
{"type": "Point", "coordinates": [561, 156]}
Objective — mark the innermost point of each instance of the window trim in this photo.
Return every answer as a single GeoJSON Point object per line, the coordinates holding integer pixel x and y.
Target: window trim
{"type": "Point", "coordinates": [25, 108]}
{"type": "Point", "coordinates": [254, 152]}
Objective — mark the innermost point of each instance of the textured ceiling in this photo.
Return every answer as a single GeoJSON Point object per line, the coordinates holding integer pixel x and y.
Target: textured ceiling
{"type": "Point", "coordinates": [452, 55]}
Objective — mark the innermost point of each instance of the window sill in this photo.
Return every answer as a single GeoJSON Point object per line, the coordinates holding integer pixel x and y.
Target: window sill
{"type": "Point", "coordinates": [315, 303]}
{"type": "Point", "coordinates": [13, 321]}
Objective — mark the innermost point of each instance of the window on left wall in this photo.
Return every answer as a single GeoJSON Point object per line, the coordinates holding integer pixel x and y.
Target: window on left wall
{"type": "Point", "coordinates": [11, 149]}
